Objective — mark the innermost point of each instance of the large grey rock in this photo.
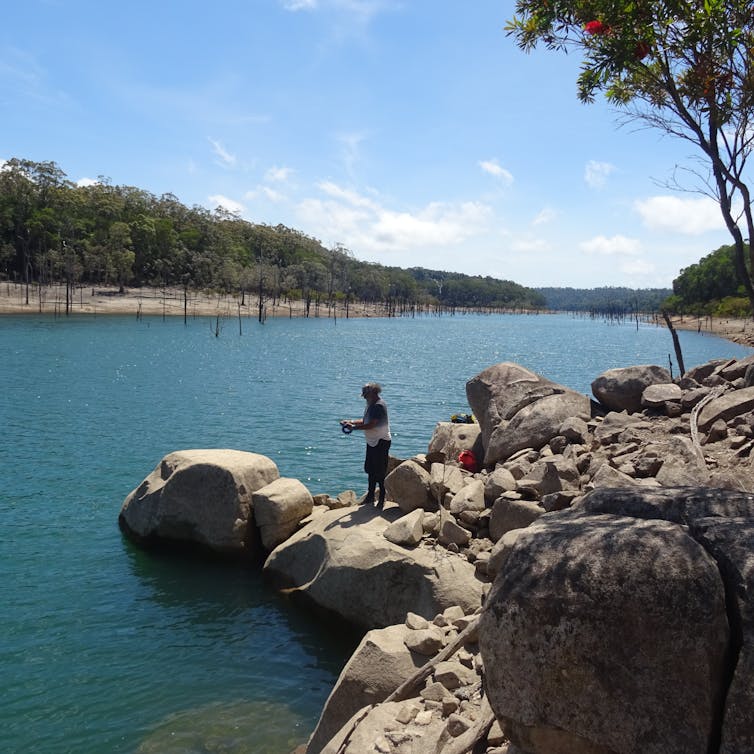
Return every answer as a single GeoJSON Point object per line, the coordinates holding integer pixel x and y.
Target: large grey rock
{"type": "Point", "coordinates": [517, 408]}
{"type": "Point", "coordinates": [731, 542]}
{"type": "Point", "coordinates": [201, 497]}
{"type": "Point", "coordinates": [508, 515]}
{"type": "Point", "coordinates": [407, 531]}
{"type": "Point", "coordinates": [450, 439]}
{"type": "Point", "coordinates": [726, 407]}
{"type": "Point", "coordinates": [408, 485]}
{"type": "Point", "coordinates": [680, 505]}
{"type": "Point", "coordinates": [736, 369]}
{"type": "Point", "coordinates": [279, 508]}
{"type": "Point", "coordinates": [621, 389]}
{"type": "Point", "coordinates": [342, 562]}
{"type": "Point", "coordinates": [380, 663]}
{"type": "Point", "coordinates": [469, 498]}
{"type": "Point", "coordinates": [590, 622]}
{"type": "Point", "coordinates": [656, 396]}
{"type": "Point", "coordinates": [443, 479]}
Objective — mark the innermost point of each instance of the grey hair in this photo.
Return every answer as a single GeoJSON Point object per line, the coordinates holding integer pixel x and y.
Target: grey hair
{"type": "Point", "coordinates": [372, 387]}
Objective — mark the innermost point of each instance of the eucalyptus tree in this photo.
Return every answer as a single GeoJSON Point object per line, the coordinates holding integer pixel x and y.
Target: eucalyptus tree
{"type": "Point", "coordinates": [684, 67]}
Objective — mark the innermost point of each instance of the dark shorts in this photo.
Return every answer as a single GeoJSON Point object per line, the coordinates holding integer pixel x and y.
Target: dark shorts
{"type": "Point", "coordinates": [375, 463]}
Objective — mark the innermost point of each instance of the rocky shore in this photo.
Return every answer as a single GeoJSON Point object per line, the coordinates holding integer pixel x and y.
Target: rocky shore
{"type": "Point", "coordinates": [580, 583]}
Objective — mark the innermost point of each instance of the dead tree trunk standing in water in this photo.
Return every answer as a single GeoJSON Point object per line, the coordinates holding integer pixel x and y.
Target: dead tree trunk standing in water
{"type": "Point", "coordinates": [676, 343]}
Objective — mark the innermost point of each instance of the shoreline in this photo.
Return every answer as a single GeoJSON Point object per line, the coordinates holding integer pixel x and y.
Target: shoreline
{"type": "Point", "coordinates": [169, 302]}
{"type": "Point", "coordinates": [739, 331]}
{"type": "Point", "coordinates": [162, 302]}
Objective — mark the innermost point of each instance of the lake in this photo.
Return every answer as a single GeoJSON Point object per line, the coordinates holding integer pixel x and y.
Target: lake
{"type": "Point", "coordinates": [106, 648]}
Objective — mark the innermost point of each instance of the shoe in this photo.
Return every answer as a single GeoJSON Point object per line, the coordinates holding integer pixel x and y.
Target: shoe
{"type": "Point", "coordinates": [368, 500]}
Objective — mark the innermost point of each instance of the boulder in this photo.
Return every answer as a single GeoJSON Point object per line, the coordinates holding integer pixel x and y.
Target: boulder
{"type": "Point", "coordinates": [591, 620]}
{"type": "Point", "coordinates": [517, 408]}
{"type": "Point", "coordinates": [450, 439]}
{"type": "Point", "coordinates": [508, 515]}
{"type": "Point", "coordinates": [656, 396]}
{"type": "Point", "coordinates": [499, 481]}
{"type": "Point", "coordinates": [408, 485]}
{"type": "Point", "coordinates": [731, 543]}
{"type": "Point", "coordinates": [726, 407]}
{"type": "Point", "coordinates": [621, 389]}
{"type": "Point", "coordinates": [380, 663]}
{"type": "Point", "coordinates": [469, 497]}
{"type": "Point", "coordinates": [681, 505]}
{"type": "Point", "coordinates": [736, 369]}
{"type": "Point", "coordinates": [199, 497]}
{"type": "Point", "coordinates": [279, 508]}
{"type": "Point", "coordinates": [407, 531]}
{"type": "Point", "coordinates": [443, 479]}
{"type": "Point", "coordinates": [342, 562]}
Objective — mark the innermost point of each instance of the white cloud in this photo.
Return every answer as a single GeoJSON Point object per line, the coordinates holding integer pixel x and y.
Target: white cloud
{"type": "Point", "coordinates": [295, 5]}
{"type": "Point", "coordinates": [545, 216]}
{"type": "Point", "coordinates": [596, 173]}
{"type": "Point", "coordinates": [494, 168]}
{"type": "Point", "coordinates": [226, 158]}
{"type": "Point", "coordinates": [82, 182]}
{"type": "Point", "coordinates": [616, 245]}
{"type": "Point", "coordinates": [231, 205]}
{"type": "Point", "coordinates": [351, 149]}
{"type": "Point", "coordinates": [672, 213]}
{"type": "Point", "coordinates": [529, 245]}
{"type": "Point", "coordinates": [266, 192]}
{"type": "Point", "coordinates": [365, 224]}
{"type": "Point", "coordinates": [278, 175]}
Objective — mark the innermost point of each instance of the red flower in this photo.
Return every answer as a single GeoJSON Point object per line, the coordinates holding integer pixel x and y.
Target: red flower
{"type": "Point", "coordinates": [596, 27]}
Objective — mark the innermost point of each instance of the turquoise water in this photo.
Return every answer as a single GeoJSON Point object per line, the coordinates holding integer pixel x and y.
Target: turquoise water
{"type": "Point", "coordinates": [105, 648]}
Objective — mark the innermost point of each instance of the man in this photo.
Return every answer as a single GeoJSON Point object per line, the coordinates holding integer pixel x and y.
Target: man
{"type": "Point", "coordinates": [376, 428]}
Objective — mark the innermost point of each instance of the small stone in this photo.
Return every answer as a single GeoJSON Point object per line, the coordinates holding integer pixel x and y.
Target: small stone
{"type": "Point", "coordinates": [457, 725]}
{"type": "Point", "coordinates": [454, 613]}
{"type": "Point", "coordinates": [407, 713]}
{"type": "Point", "coordinates": [416, 622]}
{"type": "Point", "coordinates": [452, 674]}
{"type": "Point", "coordinates": [427, 642]}
{"type": "Point", "coordinates": [423, 718]}
{"type": "Point", "coordinates": [434, 692]}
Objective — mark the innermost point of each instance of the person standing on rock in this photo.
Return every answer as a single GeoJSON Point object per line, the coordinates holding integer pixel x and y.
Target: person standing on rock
{"type": "Point", "coordinates": [376, 427]}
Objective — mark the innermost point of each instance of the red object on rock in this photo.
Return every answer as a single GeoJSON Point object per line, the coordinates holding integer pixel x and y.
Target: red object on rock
{"type": "Point", "coordinates": [468, 460]}
{"type": "Point", "coordinates": [596, 27]}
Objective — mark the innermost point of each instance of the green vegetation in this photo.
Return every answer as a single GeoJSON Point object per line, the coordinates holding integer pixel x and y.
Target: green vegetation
{"type": "Point", "coordinates": [52, 230]}
{"type": "Point", "coordinates": [710, 287]}
{"type": "Point", "coordinates": [615, 301]}
{"type": "Point", "coordinates": [683, 67]}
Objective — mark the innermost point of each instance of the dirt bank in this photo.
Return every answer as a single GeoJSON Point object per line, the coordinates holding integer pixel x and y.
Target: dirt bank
{"type": "Point", "coordinates": [167, 302]}
{"type": "Point", "coordinates": [737, 330]}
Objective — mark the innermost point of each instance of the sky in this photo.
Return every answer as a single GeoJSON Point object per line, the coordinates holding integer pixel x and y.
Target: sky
{"type": "Point", "coordinates": [411, 132]}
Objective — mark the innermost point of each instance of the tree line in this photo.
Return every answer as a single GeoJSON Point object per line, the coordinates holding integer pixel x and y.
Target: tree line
{"type": "Point", "coordinates": [605, 300]}
{"type": "Point", "coordinates": [54, 231]}
{"type": "Point", "coordinates": [711, 287]}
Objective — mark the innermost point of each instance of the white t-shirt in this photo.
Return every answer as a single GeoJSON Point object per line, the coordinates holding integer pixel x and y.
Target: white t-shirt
{"type": "Point", "coordinates": [381, 431]}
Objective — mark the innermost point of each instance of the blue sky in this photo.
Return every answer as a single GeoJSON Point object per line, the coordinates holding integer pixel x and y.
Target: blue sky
{"type": "Point", "coordinates": [414, 133]}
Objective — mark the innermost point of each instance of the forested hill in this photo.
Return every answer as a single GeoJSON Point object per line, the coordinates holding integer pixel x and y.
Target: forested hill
{"type": "Point", "coordinates": [52, 230]}
{"type": "Point", "coordinates": [604, 300]}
